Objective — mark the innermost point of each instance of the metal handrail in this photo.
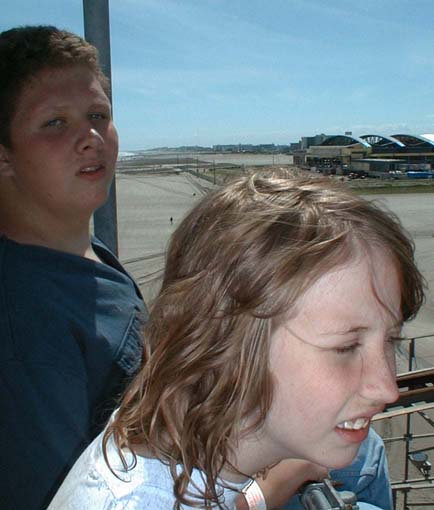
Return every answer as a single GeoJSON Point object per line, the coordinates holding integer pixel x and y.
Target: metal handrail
{"type": "Point", "coordinates": [419, 389]}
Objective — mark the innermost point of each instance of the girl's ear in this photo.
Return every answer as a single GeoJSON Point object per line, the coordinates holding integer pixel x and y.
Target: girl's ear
{"type": "Point", "coordinates": [6, 169]}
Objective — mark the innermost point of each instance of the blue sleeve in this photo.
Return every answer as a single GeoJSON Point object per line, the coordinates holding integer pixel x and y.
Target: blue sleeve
{"type": "Point", "coordinates": [367, 476]}
{"type": "Point", "coordinates": [44, 427]}
{"type": "Point", "coordinates": [70, 339]}
{"type": "Point", "coordinates": [43, 401]}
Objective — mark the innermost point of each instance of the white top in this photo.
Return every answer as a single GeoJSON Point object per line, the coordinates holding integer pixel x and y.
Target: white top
{"type": "Point", "coordinates": [146, 486]}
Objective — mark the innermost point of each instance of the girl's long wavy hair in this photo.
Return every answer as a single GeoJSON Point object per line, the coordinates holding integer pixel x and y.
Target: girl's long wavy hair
{"type": "Point", "coordinates": [235, 267]}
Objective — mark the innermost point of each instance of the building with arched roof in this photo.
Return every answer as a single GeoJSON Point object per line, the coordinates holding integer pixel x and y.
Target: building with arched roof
{"type": "Point", "coordinates": [372, 152]}
{"type": "Point", "coordinates": [383, 143]}
{"type": "Point", "coordinates": [416, 143]}
{"type": "Point", "coordinates": [344, 141]}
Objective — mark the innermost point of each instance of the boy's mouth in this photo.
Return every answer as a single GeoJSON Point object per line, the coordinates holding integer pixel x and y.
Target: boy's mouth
{"type": "Point", "coordinates": [91, 169]}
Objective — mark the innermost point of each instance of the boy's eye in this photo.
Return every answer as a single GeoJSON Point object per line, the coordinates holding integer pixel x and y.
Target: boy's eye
{"type": "Point", "coordinates": [99, 116]}
{"type": "Point", "coordinates": [54, 123]}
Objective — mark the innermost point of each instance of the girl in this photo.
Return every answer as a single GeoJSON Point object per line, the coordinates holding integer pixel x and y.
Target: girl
{"type": "Point", "coordinates": [272, 338]}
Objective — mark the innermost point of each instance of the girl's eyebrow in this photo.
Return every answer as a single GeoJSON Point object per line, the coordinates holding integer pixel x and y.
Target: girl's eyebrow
{"type": "Point", "coordinates": [357, 329]}
{"type": "Point", "coordinates": [396, 326]}
{"type": "Point", "coordinates": [342, 332]}
{"type": "Point", "coordinates": [313, 344]}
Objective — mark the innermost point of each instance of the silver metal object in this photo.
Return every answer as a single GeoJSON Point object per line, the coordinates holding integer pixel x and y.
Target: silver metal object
{"type": "Point", "coordinates": [421, 462]}
{"type": "Point", "coordinates": [323, 496]}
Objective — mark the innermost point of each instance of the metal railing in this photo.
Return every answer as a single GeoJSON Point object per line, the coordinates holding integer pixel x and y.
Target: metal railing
{"type": "Point", "coordinates": [417, 398]}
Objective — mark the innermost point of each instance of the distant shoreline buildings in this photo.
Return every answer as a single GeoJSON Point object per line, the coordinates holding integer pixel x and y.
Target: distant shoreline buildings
{"type": "Point", "coordinates": [265, 148]}
{"type": "Point", "coordinates": [375, 155]}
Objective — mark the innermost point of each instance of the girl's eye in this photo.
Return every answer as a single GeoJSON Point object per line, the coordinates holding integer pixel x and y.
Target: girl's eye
{"type": "Point", "coordinates": [396, 339]}
{"type": "Point", "coordinates": [347, 349]}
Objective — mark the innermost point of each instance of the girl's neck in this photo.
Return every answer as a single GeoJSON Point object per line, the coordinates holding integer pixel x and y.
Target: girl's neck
{"type": "Point", "coordinates": [251, 456]}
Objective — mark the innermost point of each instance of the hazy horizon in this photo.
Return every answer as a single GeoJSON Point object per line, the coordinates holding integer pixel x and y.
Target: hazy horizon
{"type": "Point", "coordinates": [218, 71]}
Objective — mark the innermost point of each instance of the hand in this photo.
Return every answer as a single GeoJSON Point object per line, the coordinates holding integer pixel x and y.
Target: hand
{"type": "Point", "coordinates": [283, 481]}
{"type": "Point", "coordinates": [285, 478]}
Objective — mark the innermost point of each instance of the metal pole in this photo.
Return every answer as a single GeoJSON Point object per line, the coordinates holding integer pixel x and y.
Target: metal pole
{"type": "Point", "coordinates": [97, 32]}
{"type": "Point", "coordinates": [408, 436]}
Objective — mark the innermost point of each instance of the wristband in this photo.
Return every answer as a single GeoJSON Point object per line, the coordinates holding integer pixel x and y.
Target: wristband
{"type": "Point", "coordinates": [254, 496]}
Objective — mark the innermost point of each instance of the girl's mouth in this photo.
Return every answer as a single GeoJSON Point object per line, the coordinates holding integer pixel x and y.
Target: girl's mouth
{"type": "Point", "coordinates": [354, 431]}
{"type": "Point", "coordinates": [359, 423]}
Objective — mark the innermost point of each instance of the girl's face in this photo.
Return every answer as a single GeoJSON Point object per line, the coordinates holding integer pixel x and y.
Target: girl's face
{"type": "Point", "coordinates": [333, 363]}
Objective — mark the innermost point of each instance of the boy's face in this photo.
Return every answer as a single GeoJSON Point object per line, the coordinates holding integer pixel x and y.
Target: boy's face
{"type": "Point", "coordinates": [63, 144]}
{"type": "Point", "coordinates": [333, 362]}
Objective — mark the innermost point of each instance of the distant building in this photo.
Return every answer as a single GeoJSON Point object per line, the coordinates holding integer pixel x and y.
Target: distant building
{"type": "Point", "coordinates": [377, 154]}
{"type": "Point", "coordinates": [259, 148]}
{"type": "Point", "coordinates": [232, 148]}
{"type": "Point", "coordinates": [308, 141]}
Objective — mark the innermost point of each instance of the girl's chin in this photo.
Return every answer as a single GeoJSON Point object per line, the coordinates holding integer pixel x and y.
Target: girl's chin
{"type": "Point", "coordinates": [340, 461]}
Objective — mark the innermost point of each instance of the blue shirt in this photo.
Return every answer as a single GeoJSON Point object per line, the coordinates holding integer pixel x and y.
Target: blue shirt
{"type": "Point", "coordinates": [367, 476]}
{"type": "Point", "coordinates": [70, 339]}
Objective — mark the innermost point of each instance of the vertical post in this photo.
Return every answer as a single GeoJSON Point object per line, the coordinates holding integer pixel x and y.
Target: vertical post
{"type": "Point", "coordinates": [97, 32]}
{"type": "Point", "coordinates": [411, 357]}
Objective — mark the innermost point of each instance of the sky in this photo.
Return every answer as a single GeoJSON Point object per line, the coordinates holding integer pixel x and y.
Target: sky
{"type": "Point", "coordinates": [205, 72]}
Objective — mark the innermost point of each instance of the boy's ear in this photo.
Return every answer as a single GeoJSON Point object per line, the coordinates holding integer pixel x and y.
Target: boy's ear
{"type": "Point", "coordinates": [6, 169]}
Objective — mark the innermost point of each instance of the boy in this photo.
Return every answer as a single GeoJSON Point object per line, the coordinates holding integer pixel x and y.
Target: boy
{"type": "Point", "coordinates": [69, 313]}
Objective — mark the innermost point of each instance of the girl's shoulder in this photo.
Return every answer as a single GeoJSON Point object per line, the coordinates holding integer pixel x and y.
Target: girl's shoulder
{"type": "Point", "coordinates": [146, 483]}
{"type": "Point", "coordinates": [94, 483]}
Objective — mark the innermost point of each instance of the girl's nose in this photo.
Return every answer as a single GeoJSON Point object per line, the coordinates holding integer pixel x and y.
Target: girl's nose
{"type": "Point", "coordinates": [378, 383]}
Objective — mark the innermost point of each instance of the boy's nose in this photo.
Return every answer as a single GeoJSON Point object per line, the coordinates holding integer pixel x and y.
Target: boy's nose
{"type": "Point", "coordinates": [90, 139]}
